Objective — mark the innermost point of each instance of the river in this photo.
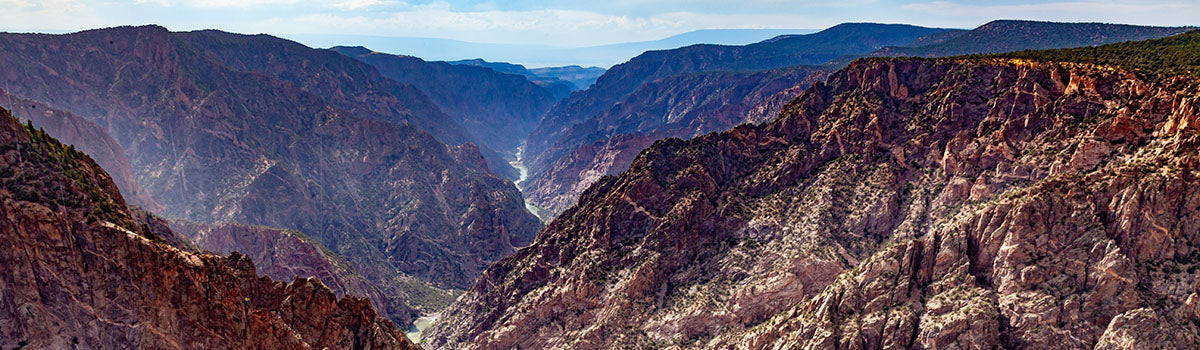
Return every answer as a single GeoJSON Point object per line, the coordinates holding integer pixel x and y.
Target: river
{"type": "Point", "coordinates": [520, 165]}
{"type": "Point", "coordinates": [419, 326]}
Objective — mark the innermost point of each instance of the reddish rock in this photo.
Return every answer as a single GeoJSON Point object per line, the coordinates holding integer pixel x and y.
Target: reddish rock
{"type": "Point", "coordinates": [258, 130]}
{"type": "Point", "coordinates": [284, 255]}
{"type": "Point", "coordinates": [82, 271]}
{"type": "Point", "coordinates": [983, 207]}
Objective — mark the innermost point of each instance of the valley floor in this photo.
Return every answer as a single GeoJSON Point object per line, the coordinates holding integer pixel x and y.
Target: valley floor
{"type": "Point", "coordinates": [519, 164]}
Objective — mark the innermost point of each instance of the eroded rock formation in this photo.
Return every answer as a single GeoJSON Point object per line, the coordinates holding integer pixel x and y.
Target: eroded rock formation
{"type": "Point", "coordinates": [903, 203]}
{"type": "Point", "coordinates": [81, 270]}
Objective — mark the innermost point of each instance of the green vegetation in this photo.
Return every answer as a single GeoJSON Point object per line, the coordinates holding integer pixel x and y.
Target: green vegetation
{"type": "Point", "coordinates": [425, 296]}
{"type": "Point", "coordinates": [55, 174]}
{"type": "Point", "coordinates": [1170, 56]}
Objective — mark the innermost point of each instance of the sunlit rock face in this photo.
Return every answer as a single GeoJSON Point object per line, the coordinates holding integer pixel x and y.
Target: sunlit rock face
{"type": "Point", "coordinates": [81, 270]}
{"type": "Point", "coordinates": [902, 203]}
{"type": "Point", "coordinates": [257, 130]}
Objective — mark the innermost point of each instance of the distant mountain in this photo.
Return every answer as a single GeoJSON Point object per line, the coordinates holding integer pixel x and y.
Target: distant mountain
{"type": "Point", "coordinates": [559, 133]}
{"type": "Point", "coordinates": [497, 108]}
{"type": "Point", "coordinates": [1010, 35]}
{"type": "Point", "coordinates": [574, 77]}
{"type": "Point", "coordinates": [559, 87]}
{"type": "Point", "coordinates": [540, 55]}
{"type": "Point", "coordinates": [1034, 200]}
{"type": "Point", "coordinates": [344, 82]}
{"type": "Point", "coordinates": [585, 149]}
{"type": "Point", "coordinates": [258, 130]}
{"type": "Point", "coordinates": [681, 106]}
{"type": "Point", "coordinates": [581, 77]}
{"type": "Point", "coordinates": [82, 270]}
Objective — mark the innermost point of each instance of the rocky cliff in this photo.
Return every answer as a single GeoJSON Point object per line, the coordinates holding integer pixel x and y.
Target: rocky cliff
{"type": "Point", "coordinates": [341, 81]}
{"type": "Point", "coordinates": [498, 109]}
{"type": "Point", "coordinates": [82, 271]}
{"type": "Point", "coordinates": [241, 138]}
{"type": "Point", "coordinates": [954, 203]}
{"type": "Point", "coordinates": [601, 144]}
{"type": "Point", "coordinates": [785, 51]}
{"type": "Point", "coordinates": [285, 255]}
{"type": "Point", "coordinates": [661, 93]}
{"type": "Point", "coordinates": [682, 106]}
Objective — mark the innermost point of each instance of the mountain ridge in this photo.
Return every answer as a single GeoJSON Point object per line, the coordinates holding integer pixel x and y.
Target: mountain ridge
{"type": "Point", "coordinates": [83, 272]}
{"type": "Point", "coordinates": [901, 203]}
{"type": "Point", "coordinates": [583, 149]}
{"type": "Point", "coordinates": [552, 144]}
{"type": "Point", "coordinates": [534, 55]}
{"type": "Point", "coordinates": [215, 144]}
{"type": "Point", "coordinates": [496, 108]}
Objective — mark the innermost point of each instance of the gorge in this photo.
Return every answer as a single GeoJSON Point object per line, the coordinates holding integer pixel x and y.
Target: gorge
{"type": "Point", "coordinates": [1021, 184]}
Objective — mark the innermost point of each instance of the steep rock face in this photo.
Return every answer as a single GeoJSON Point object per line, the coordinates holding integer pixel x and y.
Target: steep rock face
{"type": "Point", "coordinates": [784, 51]}
{"type": "Point", "coordinates": [904, 203]}
{"type": "Point", "coordinates": [498, 109]}
{"type": "Point", "coordinates": [285, 255]}
{"type": "Point", "coordinates": [81, 271]}
{"type": "Point", "coordinates": [215, 144]}
{"type": "Point", "coordinates": [89, 138]}
{"type": "Point", "coordinates": [682, 106]}
{"type": "Point", "coordinates": [560, 171]}
{"type": "Point", "coordinates": [342, 81]}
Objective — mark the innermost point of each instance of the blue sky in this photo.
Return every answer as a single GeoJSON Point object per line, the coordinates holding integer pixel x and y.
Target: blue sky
{"type": "Point", "coordinates": [566, 23]}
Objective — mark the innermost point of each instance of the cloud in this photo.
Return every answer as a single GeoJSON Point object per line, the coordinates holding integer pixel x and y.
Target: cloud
{"type": "Point", "coordinates": [351, 5]}
{"type": "Point", "coordinates": [238, 3]}
{"type": "Point", "coordinates": [545, 26]}
{"type": "Point", "coordinates": [483, 26]}
{"type": "Point", "coordinates": [562, 22]}
{"type": "Point", "coordinates": [49, 15]}
{"type": "Point", "coordinates": [216, 4]}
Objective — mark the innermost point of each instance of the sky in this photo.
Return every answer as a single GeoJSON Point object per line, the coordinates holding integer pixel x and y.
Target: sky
{"type": "Point", "coordinates": [565, 23]}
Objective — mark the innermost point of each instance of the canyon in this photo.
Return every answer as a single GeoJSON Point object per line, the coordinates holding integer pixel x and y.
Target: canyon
{"type": "Point", "coordinates": [692, 91]}
{"type": "Point", "coordinates": [82, 270]}
{"type": "Point", "coordinates": [1018, 185]}
{"type": "Point", "coordinates": [1018, 201]}
{"type": "Point", "coordinates": [226, 128]}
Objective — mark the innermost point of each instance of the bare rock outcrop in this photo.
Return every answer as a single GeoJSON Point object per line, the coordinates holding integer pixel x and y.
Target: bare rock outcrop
{"type": "Point", "coordinates": [957, 203]}
{"type": "Point", "coordinates": [81, 271]}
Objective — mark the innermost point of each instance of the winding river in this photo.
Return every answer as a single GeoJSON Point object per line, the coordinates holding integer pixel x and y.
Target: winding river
{"type": "Point", "coordinates": [520, 165]}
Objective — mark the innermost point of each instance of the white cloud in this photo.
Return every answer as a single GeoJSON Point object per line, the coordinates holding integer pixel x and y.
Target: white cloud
{"type": "Point", "coordinates": [549, 26]}
{"type": "Point", "coordinates": [17, 4]}
{"type": "Point", "coordinates": [49, 15]}
{"type": "Point", "coordinates": [238, 3]}
{"type": "Point", "coordinates": [562, 22]}
{"type": "Point", "coordinates": [351, 5]}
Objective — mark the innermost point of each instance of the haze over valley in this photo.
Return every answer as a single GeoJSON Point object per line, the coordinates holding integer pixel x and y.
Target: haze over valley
{"type": "Point", "coordinates": [646, 175]}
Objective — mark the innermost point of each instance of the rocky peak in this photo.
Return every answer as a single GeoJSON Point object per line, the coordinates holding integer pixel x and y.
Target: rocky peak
{"type": "Point", "coordinates": [250, 129]}
{"type": "Point", "coordinates": [903, 203]}
{"type": "Point", "coordinates": [556, 137]}
{"type": "Point", "coordinates": [83, 271]}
